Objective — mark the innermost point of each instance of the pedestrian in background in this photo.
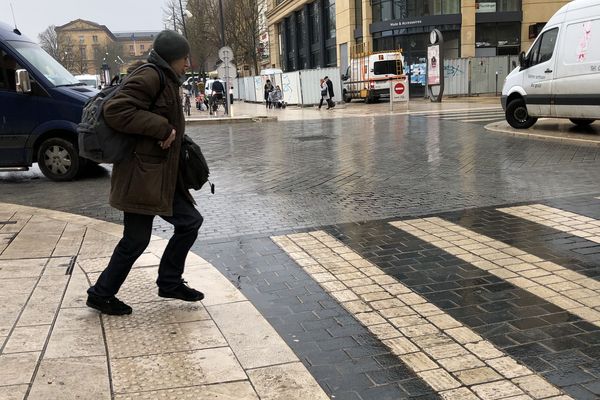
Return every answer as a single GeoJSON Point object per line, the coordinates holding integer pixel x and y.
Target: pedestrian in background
{"type": "Point", "coordinates": [149, 182]}
{"type": "Point", "coordinates": [330, 93]}
{"type": "Point", "coordinates": [324, 92]}
{"type": "Point", "coordinates": [268, 89]}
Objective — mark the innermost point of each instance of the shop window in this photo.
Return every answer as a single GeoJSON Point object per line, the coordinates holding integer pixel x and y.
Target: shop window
{"type": "Point", "coordinates": [358, 13]}
{"type": "Point", "coordinates": [501, 38]}
{"type": "Point", "coordinates": [329, 13]}
{"type": "Point", "coordinates": [331, 56]}
{"type": "Point", "coordinates": [313, 20]}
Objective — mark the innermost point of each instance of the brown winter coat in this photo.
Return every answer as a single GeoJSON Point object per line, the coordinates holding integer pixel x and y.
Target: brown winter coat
{"type": "Point", "coordinates": [145, 183]}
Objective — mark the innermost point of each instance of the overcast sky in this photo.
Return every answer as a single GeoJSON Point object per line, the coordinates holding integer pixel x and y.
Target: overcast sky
{"type": "Point", "coordinates": [34, 16]}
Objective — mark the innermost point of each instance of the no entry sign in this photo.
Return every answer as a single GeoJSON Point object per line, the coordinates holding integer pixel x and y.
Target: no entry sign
{"type": "Point", "coordinates": [399, 92]}
{"type": "Point", "coordinates": [399, 88]}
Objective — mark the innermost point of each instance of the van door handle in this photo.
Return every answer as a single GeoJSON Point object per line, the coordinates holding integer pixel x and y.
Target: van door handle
{"type": "Point", "coordinates": [548, 71]}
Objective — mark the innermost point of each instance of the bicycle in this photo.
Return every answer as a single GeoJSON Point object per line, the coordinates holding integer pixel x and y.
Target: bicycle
{"type": "Point", "coordinates": [215, 100]}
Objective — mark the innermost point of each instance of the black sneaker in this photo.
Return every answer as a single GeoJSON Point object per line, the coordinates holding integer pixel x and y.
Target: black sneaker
{"type": "Point", "coordinates": [110, 306]}
{"type": "Point", "coordinates": [182, 292]}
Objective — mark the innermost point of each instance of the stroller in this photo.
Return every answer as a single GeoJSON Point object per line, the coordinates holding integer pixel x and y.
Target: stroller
{"type": "Point", "coordinates": [276, 98]}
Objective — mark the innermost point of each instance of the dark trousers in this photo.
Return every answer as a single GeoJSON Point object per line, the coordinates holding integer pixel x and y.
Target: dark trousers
{"type": "Point", "coordinates": [329, 102]}
{"type": "Point", "coordinates": [136, 237]}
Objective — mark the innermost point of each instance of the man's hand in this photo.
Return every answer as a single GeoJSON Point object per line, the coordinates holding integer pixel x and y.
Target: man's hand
{"type": "Point", "coordinates": [167, 143]}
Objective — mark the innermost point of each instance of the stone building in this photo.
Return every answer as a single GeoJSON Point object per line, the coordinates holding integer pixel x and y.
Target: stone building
{"type": "Point", "coordinates": [88, 45]}
{"type": "Point", "coordinates": [320, 33]}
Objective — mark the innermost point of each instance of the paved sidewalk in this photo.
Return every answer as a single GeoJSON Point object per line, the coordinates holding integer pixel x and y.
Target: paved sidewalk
{"type": "Point", "coordinates": [559, 130]}
{"type": "Point", "coordinates": [52, 347]}
{"type": "Point", "coordinates": [258, 111]}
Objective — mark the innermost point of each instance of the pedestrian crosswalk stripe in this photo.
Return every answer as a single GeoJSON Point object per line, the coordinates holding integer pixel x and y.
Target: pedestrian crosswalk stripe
{"type": "Point", "coordinates": [475, 117]}
{"type": "Point", "coordinates": [467, 114]}
{"type": "Point", "coordinates": [456, 111]}
{"type": "Point", "coordinates": [560, 286]}
{"type": "Point", "coordinates": [565, 221]}
{"type": "Point", "coordinates": [448, 356]}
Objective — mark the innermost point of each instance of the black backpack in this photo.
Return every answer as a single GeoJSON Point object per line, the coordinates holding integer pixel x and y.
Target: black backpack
{"type": "Point", "coordinates": [98, 141]}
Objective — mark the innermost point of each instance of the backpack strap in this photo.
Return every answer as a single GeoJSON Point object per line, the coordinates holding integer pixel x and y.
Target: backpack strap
{"type": "Point", "coordinates": [161, 77]}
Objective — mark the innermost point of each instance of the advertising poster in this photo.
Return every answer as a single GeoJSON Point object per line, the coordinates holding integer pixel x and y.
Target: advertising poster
{"type": "Point", "coordinates": [433, 65]}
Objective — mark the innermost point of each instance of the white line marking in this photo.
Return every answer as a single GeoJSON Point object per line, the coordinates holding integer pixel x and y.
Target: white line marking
{"type": "Point", "coordinates": [447, 355]}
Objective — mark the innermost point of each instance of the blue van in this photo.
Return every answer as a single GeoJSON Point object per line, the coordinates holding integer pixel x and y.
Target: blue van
{"type": "Point", "coordinates": [40, 107]}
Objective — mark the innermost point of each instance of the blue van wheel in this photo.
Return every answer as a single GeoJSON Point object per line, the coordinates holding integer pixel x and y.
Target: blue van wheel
{"type": "Point", "coordinates": [58, 159]}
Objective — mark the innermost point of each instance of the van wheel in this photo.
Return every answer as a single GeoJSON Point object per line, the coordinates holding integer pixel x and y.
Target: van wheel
{"type": "Point", "coordinates": [581, 121]}
{"type": "Point", "coordinates": [347, 97]}
{"type": "Point", "coordinates": [58, 159]}
{"type": "Point", "coordinates": [517, 115]}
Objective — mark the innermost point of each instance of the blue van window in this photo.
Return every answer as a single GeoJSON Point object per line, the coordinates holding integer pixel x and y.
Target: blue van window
{"type": "Point", "coordinates": [8, 67]}
{"type": "Point", "coordinates": [45, 64]}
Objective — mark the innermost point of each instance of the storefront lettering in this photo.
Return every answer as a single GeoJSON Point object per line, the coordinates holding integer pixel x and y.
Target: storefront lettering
{"type": "Point", "coordinates": [405, 23]}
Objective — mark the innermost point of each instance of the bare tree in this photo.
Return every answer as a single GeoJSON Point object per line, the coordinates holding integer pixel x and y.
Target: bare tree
{"type": "Point", "coordinates": [202, 32]}
{"type": "Point", "coordinates": [49, 42]}
{"type": "Point", "coordinates": [242, 30]}
{"type": "Point", "coordinates": [172, 15]}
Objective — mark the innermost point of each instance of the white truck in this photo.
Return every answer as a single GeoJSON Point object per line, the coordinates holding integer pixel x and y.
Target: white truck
{"type": "Point", "coordinates": [369, 74]}
{"type": "Point", "coordinates": [559, 77]}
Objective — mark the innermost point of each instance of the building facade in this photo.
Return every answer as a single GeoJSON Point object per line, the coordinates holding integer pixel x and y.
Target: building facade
{"type": "Point", "coordinates": [308, 34]}
{"type": "Point", "coordinates": [87, 46]}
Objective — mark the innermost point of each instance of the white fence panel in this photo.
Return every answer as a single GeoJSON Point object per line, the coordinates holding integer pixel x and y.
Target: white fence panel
{"type": "Point", "coordinates": [239, 89]}
{"type": "Point", "coordinates": [311, 91]}
{"type": "Point", "coordinates": [456, 77]}
{"type": "Point", "coordinates": [289, 82]}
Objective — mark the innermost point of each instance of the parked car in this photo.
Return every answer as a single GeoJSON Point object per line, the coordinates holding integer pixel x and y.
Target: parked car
{"type": "Point", "coordinates": [559, 76]}
{"type": "Point", "coordinates": [40, 106]}
{"type": "Point", "coordinates": [90, 80]}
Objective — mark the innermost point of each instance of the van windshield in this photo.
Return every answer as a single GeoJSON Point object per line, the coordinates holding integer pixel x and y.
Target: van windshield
{"type": "Point", "coordinates": [44, 63]}
{"type": "Point", "coordinates": [387, 67]}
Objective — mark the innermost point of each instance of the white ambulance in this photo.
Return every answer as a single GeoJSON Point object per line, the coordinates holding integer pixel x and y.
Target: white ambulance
{"type": "Point", "coordinates": [368, 75]}
{"type": "Point", "coordinates": [559, 77]}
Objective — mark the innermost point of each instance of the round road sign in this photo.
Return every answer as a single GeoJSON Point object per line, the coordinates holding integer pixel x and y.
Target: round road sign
{"type": "Point", "coordinates": [399, 88]}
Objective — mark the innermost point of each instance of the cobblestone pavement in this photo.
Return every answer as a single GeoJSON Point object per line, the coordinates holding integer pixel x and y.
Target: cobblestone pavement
{"type": "Point", "coordinates": [402, 256]}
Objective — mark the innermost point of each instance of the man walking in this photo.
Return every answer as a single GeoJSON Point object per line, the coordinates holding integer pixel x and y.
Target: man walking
{"type": "Point", "coordinates": [330, 102]}
{"type": "Point", "coordinates": [149, 183]}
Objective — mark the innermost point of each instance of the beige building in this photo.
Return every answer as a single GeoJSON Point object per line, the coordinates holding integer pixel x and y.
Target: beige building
{"type": "Point", "coordinates": [307, 34]}
{"type": "Point", "coordinates": [87, 45]}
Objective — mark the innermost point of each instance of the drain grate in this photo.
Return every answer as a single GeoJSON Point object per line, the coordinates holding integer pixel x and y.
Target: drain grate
{"type": "Point", "coordinates": [313, 138]}
{"type": "Point", "coordinates": [8, 222]}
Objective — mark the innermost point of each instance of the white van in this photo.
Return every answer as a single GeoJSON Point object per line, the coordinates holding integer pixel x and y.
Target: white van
{"type": "Point", "coordinates": [89, 80]}
{"type": "Point", "coordinates": [368, 75]}
{"type": "Point", "coordinates": [559, 77]}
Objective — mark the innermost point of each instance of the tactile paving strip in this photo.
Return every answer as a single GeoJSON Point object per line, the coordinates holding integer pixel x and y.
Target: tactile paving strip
{"type": "Point", "coordinates": [158, 312]}
{"type": "Point", "coordinates": [156, 339]}
{"type": "Point", "coordinates": [175, 370]}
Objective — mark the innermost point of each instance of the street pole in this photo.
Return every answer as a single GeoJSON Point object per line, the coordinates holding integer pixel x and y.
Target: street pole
{"type": "Point", "coordinates": [174, 20]}
{"type": "Point", "coordinates": [226, 94]}
{"type": "Point", "coordinates": [190, 54]}
{"type": "Point", "coordinates": [222, 23]}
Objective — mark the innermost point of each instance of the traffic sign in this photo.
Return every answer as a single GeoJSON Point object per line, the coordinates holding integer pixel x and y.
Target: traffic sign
{"type": "Point", "coordinates": [399, 92]}
{"type": "Point", "coordinates": [227, 70]}
{"type": "Point", "coordinates": [225, 53]}
{"type": "Point", "coordinates": [399, 88]}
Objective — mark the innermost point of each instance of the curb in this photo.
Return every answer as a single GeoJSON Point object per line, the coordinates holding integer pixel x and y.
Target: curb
{"type": "Point", "coordinates": [539, 136]}
{"type": "Point", "coordinates": [234, 120]}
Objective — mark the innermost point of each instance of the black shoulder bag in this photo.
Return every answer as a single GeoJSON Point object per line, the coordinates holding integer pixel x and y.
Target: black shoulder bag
{"type": "Point", "coordinates": [195, 170]}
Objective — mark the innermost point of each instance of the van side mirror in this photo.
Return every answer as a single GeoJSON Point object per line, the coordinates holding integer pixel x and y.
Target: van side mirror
{"type": "Point", "coordinates": [523, 61]}
{"type": "Point", "coordinates": [23, 81]}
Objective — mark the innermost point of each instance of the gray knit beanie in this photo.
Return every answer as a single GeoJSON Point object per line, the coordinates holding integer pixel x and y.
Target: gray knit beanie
{"type": "Point", "coordinates": [171, 46]}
